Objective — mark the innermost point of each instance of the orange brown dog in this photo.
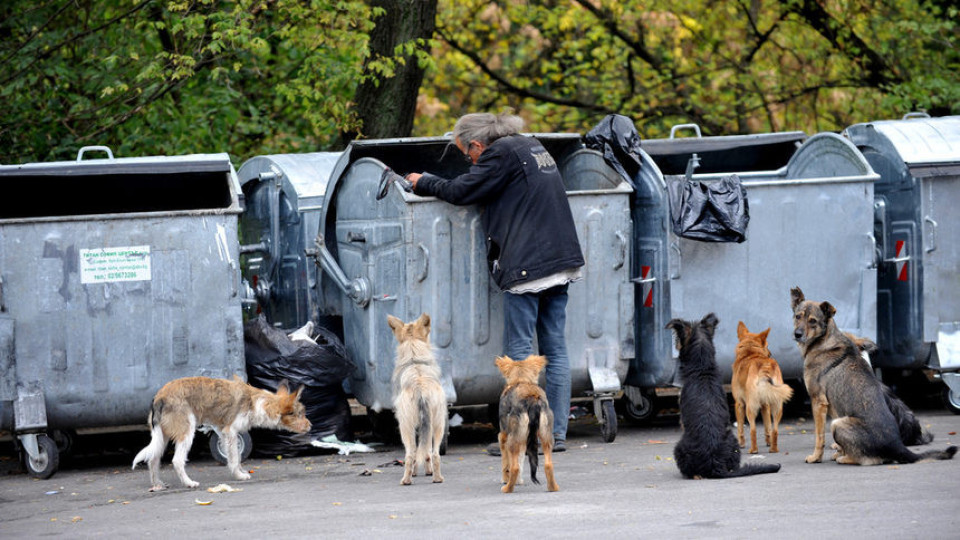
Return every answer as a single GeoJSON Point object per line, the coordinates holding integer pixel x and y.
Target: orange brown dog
{"type": "Point", "coordinates": [841, 383]}
{"type": "Point", "coordinates": [757, 386]}
{"type": "Point", "coordinates": [419, 402]}
{"type": "Point", "coordinates": [229, 407]}
{"type": "Point", "coordinates": [525, 417]}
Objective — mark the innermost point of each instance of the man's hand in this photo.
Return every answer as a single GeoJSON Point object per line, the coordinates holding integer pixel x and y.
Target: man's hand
{"type": "Point", "coordinates": [412, 178]}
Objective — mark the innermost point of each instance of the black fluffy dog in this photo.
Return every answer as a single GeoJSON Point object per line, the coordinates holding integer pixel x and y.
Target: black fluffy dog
{"type": "Point", "coordinates": [708, 447]}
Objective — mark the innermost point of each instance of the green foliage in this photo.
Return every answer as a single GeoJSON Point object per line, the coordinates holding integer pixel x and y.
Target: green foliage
{"type": "Point", "coordinates": [175, 77]}
{"type": "Point", "coordinates": [732, 66]}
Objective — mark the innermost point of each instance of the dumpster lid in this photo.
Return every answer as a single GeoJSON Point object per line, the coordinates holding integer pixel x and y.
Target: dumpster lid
{"type": "Point", "coordinates": [132, 165]}
{"type": "Point", "coordinates": [921, 142]}
{"type": "Point", "coordinates": [725, 154]}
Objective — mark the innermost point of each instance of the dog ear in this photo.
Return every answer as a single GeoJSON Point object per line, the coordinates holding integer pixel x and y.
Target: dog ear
{"type": "Point", "coordinates": [796, 297]}
{"type": "Point", "coordinates": [298, 393]}
{"type": "Point", "coordinates": [828, 310]}
{"type": "Point", "coordinates": [394, 323]}
{"type": "Point", "coordinates": [503, 363]}
{"type": "Point", "coordinates": [538, 362]}
{"type": "Point", "coordinates": [763, 336]}
{"type": "Point", "coordinates": [283, 388]}
{"type": "Point", "coordinates": [709, 323]}
{"type": "Point", "coordinates": [424, 320]}
{"type": "Point", "coordinates": [681, 330]}
{"type": "Point", "coordinates": [741, 329]}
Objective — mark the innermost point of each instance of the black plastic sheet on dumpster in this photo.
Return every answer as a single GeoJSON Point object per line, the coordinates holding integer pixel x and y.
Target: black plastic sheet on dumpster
{"type": "Point", "coordinates": [272, 357]}
{"type": "Point", "coordinates": [616, 137]}
{"type": "Point", "coordinates": [709, 211]}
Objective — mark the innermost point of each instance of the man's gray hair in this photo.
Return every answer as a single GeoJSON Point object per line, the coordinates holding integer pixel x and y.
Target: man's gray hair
{"type": "Point", "coordinates": [486, 127]}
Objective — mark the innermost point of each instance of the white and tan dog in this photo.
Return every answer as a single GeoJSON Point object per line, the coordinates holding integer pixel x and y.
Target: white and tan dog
{"type": "Point", "coordinates": [419, 401]}
{"type": "Point", "coordinates": [229, 407]}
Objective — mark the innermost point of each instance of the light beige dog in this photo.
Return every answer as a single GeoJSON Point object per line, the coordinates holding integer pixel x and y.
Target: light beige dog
{"type": "Point", "coordinates": [419, 401]}
{"type": "Point", "coordinates": [229, 407]}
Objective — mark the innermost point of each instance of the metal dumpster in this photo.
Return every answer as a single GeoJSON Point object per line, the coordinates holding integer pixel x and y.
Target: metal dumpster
{"type": "Point", "coordinates": [404, 255]}
{"type": "Point", "coordinates": [917, 224]}
{"type": "Point", "coordinates": [811, 225]}
{"type": "Point", "coordinates": [116, 276]}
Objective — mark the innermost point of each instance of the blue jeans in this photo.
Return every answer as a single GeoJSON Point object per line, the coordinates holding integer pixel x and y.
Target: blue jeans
{"type": "Point", "coordinates": [546, 313]}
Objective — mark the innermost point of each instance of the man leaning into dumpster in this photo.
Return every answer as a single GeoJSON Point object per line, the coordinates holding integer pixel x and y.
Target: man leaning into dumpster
{"type": "Point", "coordinates": [532, 248]}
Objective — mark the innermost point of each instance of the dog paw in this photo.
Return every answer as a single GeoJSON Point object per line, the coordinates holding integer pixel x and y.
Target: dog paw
{"type": "Point", "coordinates": [158, 487]}
{"type": "Point", "coordinates": [406, 482]}
{"type": "Point", "coordinates": [506, 489]}
{"type": "Point", "coordinates": [754, 451]}
{"type": "Point", "coordinates": [192, 484]}
{"type": "Point", "coordinates": [437, 479]}
{"type": "Point", "coordinates": [241, 475]}
{"type": "Point", "coordinates": [812, 459]}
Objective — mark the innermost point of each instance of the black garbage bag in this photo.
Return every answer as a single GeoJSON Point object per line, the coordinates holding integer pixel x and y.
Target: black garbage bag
{"type": "Point", "coordinates": [272, 357]}
{"type": "Point", "coordinates": [616, 137]}
{"type": "Point", "coordinates": [709, 211]}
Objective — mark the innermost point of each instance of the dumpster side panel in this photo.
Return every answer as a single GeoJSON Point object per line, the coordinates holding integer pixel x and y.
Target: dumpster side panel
{"type": "Point", "coordinates": [102, 338]}
{"type": "Point", "coordinates": [941, 268]}
{"type": "Point", "coordinates": [423, 255]}
{"type": "Point", "coordinates": [815, 236]}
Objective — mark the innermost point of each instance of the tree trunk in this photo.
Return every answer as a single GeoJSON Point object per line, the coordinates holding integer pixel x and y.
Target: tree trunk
{"type": "Point", "coordinates": [386, 106]}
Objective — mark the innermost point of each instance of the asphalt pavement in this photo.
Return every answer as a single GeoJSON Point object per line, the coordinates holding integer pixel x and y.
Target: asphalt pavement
{"type": "Point", "coordinates": [630, 487]}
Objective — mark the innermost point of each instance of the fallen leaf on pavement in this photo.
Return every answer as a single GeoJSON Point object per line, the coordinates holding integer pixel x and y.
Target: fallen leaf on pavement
{"type": "Point", "coordinates": [203, 503]}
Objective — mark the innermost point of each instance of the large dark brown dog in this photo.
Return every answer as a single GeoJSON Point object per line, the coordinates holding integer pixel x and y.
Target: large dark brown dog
{"type": "Point", "coordinates": [839, 381]}
{"type": "Point", "coordinates": [707, 448]}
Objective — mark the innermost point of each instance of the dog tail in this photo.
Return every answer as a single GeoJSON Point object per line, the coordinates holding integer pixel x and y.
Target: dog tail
{"type": "Point", "coordinates": [770, 387]}
{"type": "Point", "coordinates": [424, 433]}
{"type": "Point", "coordinates": [156, 444]}
{"type": "Point", "coordinates": [752, 468]}
{"type": "Point", "coordinates": [909, 457]}
{"type": "Point", "coordinates": [533, 412]}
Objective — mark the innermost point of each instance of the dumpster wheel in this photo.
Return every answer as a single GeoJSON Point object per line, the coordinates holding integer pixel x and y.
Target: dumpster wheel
{"type": "Point", "coordinates": [246, 447]}
{"type": "Point", "coordinates": [608, 426]}
{"type": "Point", "coordinates": [47, 461]}
{"type": "Point", "coordinates": [951, 399]}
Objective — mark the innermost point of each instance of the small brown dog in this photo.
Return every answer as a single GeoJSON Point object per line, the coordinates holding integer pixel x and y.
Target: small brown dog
{"type": "Point", "coordinates": [229, 407]}
{"type": "Point", "coordinates": [525, 417]}
{"type": "Point", "coordinates": [419, 402]}
{"type": "Point", "coordinates": [757, 386]}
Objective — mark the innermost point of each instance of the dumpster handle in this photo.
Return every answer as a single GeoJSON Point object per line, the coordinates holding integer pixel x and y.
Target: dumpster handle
{"type": "Point", "coordinates": [357, 289]}
{"type": "Point", "coordinates": [622, 253]}
{"type": "Point", "coordinates": [94, 148]}
{"type": "Point", "coordinates": [694, 127]}
{"type": "Point", "coordinates": [933, 235]}
{"type": "Point", "coordinates": [910, 115]}
{"type": "Point", "coordinates": [425, 253]}
{"type": "Point", "coordinates": [676, 247]}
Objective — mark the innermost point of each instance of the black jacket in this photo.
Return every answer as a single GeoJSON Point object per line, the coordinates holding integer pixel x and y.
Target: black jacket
{"type": "Point", "coordinates": [527, 218]}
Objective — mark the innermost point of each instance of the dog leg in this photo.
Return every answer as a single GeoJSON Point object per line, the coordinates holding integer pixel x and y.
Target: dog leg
{"type": "Point", "coordinates": [820, 408]}
{"type": "Point", "coordinates": [438, 427]}
{"type": "Point", "coordinates": [738, 407]}
{"type": "Point", "coordinates": [158, 444]}
{"type": "Point", "coordinates": [777, 416]}
{"type": "Point", "coordinates": [504, 462]}
{"type": "Point", "coordinates": [231, 444]}
{"type": "Point", "coordinates": [546, 442]}
{"type": "Point", "coordinates": [765, 412]}
{"type": "Point", "coordinates": [515, 449]}
{"type": "Point", "coordinates": [410, 454]}
{"type": "Point", "coordinates": [180, 459]}
{"type": "Point", "coordinates": [752, 417]}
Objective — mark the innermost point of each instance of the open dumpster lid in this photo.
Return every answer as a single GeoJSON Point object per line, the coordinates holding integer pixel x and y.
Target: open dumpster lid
{"type": "Point", "coordinates": [119, 186]}
{"type": "Point", "coordinates": [725, 154]}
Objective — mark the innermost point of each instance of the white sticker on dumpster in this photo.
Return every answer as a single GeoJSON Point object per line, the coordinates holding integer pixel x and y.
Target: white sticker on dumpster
{"type": "Point", "coordinates": [103, 265]}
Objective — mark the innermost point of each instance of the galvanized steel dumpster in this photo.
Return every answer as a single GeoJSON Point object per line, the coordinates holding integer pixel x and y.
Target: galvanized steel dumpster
{"type": "Point", "coordinates": [811, 225]}
{"type": "Point", "coordinates": [116, 276]}
{"type": "Point", "coordinates": [917, 226]}
{"type": "Point", "coordinates": [405, 255]}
